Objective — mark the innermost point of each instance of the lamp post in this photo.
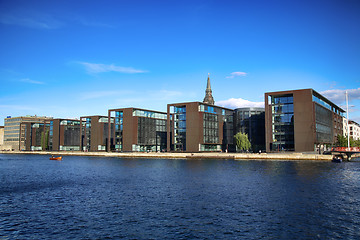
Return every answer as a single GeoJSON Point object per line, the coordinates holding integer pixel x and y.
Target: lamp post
{"type": "Point", "coordinates": [347, 116]}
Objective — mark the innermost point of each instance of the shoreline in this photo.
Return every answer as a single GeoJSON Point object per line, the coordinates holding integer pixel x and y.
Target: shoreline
{"type": "Point", "coordinates": [212, 155]}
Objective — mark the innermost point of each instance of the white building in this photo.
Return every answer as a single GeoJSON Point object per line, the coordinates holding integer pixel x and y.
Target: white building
{"type": "Point", "coordinates": [354, 130]}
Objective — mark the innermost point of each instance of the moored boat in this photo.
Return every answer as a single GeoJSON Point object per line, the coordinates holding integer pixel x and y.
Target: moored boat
{"type": "Point", "coordinates": [337, 159]}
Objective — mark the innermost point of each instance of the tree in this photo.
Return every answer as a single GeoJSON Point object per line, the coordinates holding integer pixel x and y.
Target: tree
{"type": "Point", "coordinates": [341, 141]}
{"type": "Point", "coordinates": [242, 141]}
{"type": "Point", "coordinates": [45, 140]}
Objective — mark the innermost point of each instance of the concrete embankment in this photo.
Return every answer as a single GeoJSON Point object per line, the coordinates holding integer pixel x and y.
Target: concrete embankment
{"type": "Point", "coordinates": [212, 155]}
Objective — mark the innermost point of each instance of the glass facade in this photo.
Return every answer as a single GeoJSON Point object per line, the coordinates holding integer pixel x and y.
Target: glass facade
{"type": "Point", "coordinates": [119, 120]}
{"type": "Point", "coordinates": [151, 131]}
{"type": "Point", "coordinates": [87, 134]}
{"type": "Point", "coordinates": [211, 128]}
{"type": "Point", "coordinates": [252, 122]}
{"type": "Point", "coordinates": [40, 136]}
{"type": "Point", "coordinates": [324, 125]}
{"type": "Point", "coordinates": [323, 103]}
{"type": "Point", "coordinates": [282, 108]}
{"type": "Point", "coordinates": [71, 135]}
{"type": "Point", "coordinates": [51, 134]}
{"type": "Point", "coordinates": [151, 135]}
{"type": "Point", "coordinates": [228, 132]}
{"type": "Point", "coordinates": [179, 118]}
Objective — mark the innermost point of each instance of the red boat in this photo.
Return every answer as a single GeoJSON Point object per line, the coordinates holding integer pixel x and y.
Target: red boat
{"type": "Point", "coordinates": [56, 158]}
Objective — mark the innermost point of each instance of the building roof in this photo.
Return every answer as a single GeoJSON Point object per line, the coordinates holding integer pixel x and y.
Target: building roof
{"type": "Point", "coordinates": [114, 109]}
{"type": "Point", "coordinates": [313, 92]}
{"type": "Point", "coordinates": [211, 105]}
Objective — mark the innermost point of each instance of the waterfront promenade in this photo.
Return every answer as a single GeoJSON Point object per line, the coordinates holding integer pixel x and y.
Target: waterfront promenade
{"type": "Point", "coordinates": [212, 155]}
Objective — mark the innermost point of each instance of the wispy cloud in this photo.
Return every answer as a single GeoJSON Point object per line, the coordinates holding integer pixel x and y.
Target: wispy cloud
{"type": "Point", "coordinates": [17, 107]}
{"type": "Point", "coordinates": [338, 95]}
{"type": "Point", "coordinates": [237, 74]}
{"type": "Point", "coordinates": [102, 94]}
{"type": "Point", "coordinates": [100, 68]}
{"type": "Point", "coordinates": [239, 103]}
{"type": "Point", "coordinates": [27, 80]}
{"type": "Point", "coordinates": [39, 22]}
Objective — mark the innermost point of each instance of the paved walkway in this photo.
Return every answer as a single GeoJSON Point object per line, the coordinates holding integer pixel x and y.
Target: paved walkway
{"type": "Point", "coordinates": [210, 155]}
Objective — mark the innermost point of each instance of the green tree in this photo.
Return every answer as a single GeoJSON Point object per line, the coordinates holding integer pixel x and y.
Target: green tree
{"type": "Point", "coordinates": [343, 142]}
{"type": "Point", "coordinates": [242, 141]}
{"type": "Point", "coordinates": [45, 140]}
{"type": "Point", "coordinates": [357, 143]}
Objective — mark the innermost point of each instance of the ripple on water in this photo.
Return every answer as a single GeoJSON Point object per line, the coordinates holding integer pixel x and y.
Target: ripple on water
{"type": "Point", "coordinates": [98, 198]}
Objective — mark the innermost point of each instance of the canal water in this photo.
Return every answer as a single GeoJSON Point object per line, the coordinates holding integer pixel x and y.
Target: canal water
{"type": "Point", "coordinates": [115, 198]}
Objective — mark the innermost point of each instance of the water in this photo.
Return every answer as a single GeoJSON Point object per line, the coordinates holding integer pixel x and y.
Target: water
{"type": "Point", "coordinates": [112, 198]}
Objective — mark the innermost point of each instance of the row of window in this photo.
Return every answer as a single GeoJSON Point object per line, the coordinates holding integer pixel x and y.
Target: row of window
{"type": "Point", "coordinates": [285, 108]}
{"type": "Point", "coordinates": [287, 99]}
{"type": "Point", "coordinates": [69, 123]}
{"type": "Point", "coordinates": [148, 114]}
{"type": "Point", "coordinates": [328, 106]}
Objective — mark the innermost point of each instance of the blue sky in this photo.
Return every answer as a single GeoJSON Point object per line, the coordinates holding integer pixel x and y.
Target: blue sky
{"type": "Point", "coordinates": [68, 59]}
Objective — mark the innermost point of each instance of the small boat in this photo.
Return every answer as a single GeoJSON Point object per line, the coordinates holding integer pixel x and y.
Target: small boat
{"type": "Point", "coordinates": [337, 159]}
{"type": "Point", "coordinates": [59, 158]}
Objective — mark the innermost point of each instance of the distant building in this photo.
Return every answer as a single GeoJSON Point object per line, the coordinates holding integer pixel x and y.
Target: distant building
{"type": "Point", "coordinates": [14, 139]}
{"type": "Point", "coordinates": [138, 130]}
{"type": "Point", "coordinates": [301, 120]}
{"type": "Point", "coordinates": [199, 127]}
{"type": "Point", "coordinates": [1, 135]}
{"type": "Point", "coordinates": [64, 135]}
{"type": "Point", "coordinates": [94, 133]}
{"type": "Point", "coordinates": [354, 129]}
{"type": "Point", "coordinates": [252, 122]}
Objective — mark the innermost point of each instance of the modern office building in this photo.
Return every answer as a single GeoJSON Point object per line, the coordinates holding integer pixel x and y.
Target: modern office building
{"type": "Point", "coordinates": [36, 135]}
{"type": "Point", "coordinates": [137, 130]}
{"type": "Point", "coordinates": [64, 135]}
{"type": "Point", "coordinates": [94, 133]}
{"type": "Point", "coordinates": [301, 120]}
{"type": "Point", "coordinates": [14, 139]}
{"type": "Point", "coordinates": [252, 122]}
{"type": "Point", "coordinates": [198, 127]}
{"type": "Point", "coordinates": [354, 129]}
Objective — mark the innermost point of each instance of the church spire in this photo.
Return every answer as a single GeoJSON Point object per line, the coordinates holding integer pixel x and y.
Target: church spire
{"type": "Point", "coordinates": [208, 93]}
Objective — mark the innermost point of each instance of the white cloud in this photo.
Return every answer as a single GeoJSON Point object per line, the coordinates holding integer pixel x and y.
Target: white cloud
{"type": "Point", "coordinates": [43, 22]}
{"type": "Point", "coordinates": [27, 80]}
{"type": "Point", "coordinates": [237, 74]}
{"type": "Point", "coordinates": [338, 95]}
{"type": "Point", "coordinates": [99, 68]}
{"type": "Point", "coordinates": [239, 103]}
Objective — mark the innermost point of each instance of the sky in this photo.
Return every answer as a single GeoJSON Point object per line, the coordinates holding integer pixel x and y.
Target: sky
{"type": "Point", "coordinates": [68, 59]}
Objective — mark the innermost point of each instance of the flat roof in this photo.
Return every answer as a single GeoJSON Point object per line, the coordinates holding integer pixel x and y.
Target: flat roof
{"type": "Point", "coordinates": [173, 104]}
{"type": "Point", "coordinates": [114, 109]}
{"type": "Point", "coordinates": [313, 93]}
